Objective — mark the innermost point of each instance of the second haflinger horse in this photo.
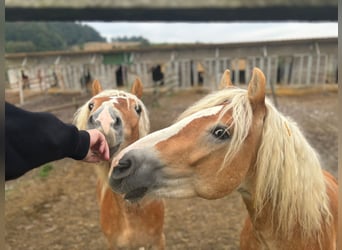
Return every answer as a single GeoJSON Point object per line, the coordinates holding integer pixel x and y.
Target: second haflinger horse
{"type": "Point", "coordinates": [235, 139]}
{"type": "Point", "coordinates": [122, 118]}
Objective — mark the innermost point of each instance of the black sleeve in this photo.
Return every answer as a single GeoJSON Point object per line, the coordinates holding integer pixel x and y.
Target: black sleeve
{"type": "Point", "coordinates": [32, 139]}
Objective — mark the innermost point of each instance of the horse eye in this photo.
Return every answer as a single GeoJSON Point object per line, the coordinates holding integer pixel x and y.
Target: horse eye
{"type": "Point", "coordinates": [138, 109]}
{"type": "Point", "coordinates": [221, 133]}
{"type": "Point", "coordinates": [91, 106]}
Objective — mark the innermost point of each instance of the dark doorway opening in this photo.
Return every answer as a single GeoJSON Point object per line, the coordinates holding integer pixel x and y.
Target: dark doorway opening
{"type": "Point", "coordinates": [157, 74]}
{"type": "Point", "coordinates": [119, 74]}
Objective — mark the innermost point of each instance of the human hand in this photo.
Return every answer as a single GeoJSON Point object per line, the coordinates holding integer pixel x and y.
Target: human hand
{"type": "Point", "coordinates": [98, 147]}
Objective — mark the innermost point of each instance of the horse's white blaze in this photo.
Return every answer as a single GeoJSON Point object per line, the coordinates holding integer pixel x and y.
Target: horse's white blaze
{"type": "Point", "coordinates": [152, 139]}
{"type": "Point", "coordinates": [114, 99]}
{"type": "Point", "coordinates": [105, 118]}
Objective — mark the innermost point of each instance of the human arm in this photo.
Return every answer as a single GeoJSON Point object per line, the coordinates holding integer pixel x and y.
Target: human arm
{"type": "Point", "coordinates": [32, 139]}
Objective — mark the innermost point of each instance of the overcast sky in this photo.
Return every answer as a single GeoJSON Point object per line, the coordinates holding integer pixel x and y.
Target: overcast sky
{"type": "Point", "coordinates": [216, 32]}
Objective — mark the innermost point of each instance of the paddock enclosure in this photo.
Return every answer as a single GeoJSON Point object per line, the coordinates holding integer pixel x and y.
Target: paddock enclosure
{"type": "Point", "coordinates": [288, 63]}
{"type": "Point", "coordinates": [57, 209]}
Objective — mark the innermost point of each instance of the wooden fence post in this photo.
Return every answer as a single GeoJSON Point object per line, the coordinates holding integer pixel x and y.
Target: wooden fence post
{"type": "Point", "coordinates": [21, 92]}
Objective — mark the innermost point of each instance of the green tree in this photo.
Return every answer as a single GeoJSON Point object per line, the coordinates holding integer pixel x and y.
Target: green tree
{"type": "Point", "coordinates": [74, 33]}
{"type": "Point", "coordinates": [20, 46]}
{"type": "Point", "coordinates": [42, 36]}
{"type": "Point", "coordinates": [142, 40]}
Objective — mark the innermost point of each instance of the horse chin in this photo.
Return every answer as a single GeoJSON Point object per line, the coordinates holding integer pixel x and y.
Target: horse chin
{"type": "Point", "coordinates": [136, 195]}
{"type": "Point", "coordinates": [114, 149]}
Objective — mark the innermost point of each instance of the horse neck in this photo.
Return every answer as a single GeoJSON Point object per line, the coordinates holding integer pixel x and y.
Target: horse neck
{"type": "Point", "coordinates": [261, 220]}
{"type": "Point", "coordinates": [102, 171]}
{"type": "Point", "coordinates": [266, 221]}
{"type": "Point", "coordinates": [267, 236]}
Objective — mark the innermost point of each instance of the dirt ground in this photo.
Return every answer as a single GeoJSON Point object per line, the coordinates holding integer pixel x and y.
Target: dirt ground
{"type": "Point", "coordinates": [59, 211]}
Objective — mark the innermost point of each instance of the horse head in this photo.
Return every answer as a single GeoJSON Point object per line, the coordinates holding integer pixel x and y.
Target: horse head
{"type": "Point", "coordinates": [120, 116]}
{"type": "Point", "coordinates": [206, 153]}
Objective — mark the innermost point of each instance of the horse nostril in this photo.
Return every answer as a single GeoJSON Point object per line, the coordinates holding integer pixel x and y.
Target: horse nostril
{"type": "Point", "coordinates": [117, 122]}
{"type": "Point", "coordinates": [91, 120]}
{"type": "Point", "coordinates": [123, 169]}
{"type": "Point", "coordinates": [92, 123]}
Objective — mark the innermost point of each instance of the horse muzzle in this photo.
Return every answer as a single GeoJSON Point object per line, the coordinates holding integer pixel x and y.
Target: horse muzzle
{"type": "Point", "coordinates": [135, 174]}
{"type": "Point", "coordinates": [111, 125]}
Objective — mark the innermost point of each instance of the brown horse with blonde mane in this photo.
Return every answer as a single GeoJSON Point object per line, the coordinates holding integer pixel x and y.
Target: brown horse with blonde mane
{"type": "Point", "coordinates": [235, 139]}
{"type": "Point", "coordinates": [122, 118]}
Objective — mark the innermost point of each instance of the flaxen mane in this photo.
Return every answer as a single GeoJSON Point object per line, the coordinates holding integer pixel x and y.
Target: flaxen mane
{"type": "Point", "coordinates": [290, 175]}
{"type": "Point", "coordinates": [288, 170]}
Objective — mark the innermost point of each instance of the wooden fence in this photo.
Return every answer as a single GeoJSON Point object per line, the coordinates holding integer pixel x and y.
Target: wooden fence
{"type": "Point", "coordinates": [295, 70]}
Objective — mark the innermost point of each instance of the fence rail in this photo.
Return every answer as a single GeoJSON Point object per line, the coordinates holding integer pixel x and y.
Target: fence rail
{"type": "Point", "coordinates": [290, 71]}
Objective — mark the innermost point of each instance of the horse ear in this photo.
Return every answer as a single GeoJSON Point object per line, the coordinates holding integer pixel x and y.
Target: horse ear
{"type": "Point", "coordinates": [137, 88]}
{"type": "Point", "coordinates": [257, 88]}
{"type": "Point", "coordinates": [96, 87]}
{"type": "Point", "coordinates": [225, 80]}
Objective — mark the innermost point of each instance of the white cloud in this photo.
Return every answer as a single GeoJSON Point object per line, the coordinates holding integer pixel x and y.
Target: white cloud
{"type": "Point", "coordinates": [214, 32]}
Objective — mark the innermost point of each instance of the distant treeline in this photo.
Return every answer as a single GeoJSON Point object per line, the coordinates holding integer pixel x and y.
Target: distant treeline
{"type": "Point", "coordinates": [43, 36]}
{"type": "Point", "coordinates": [142, 40]}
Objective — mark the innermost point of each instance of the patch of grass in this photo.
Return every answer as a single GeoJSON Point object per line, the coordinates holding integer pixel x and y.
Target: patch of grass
{"type": "Point", "coordinates": [45, 170]}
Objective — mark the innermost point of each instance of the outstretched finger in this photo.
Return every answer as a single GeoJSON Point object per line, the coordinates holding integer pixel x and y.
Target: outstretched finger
{"type": "Point", "coordinates": [104, 150]}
